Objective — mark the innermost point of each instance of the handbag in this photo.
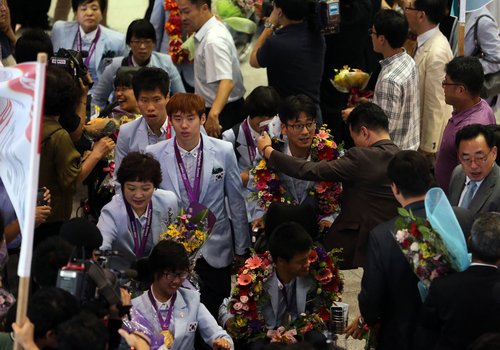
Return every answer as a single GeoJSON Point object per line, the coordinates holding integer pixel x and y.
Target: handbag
{"type": "Point", "coordinates": [491, 85]}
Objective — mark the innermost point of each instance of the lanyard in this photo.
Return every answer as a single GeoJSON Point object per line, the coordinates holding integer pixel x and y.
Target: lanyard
{"type": "Point", "coordinates": [139, 246]}
{"type": "Point", "coordinates": [164, 322]}
{"type": "Point", "coordinates": [250, 142]}
{"type": "Point", "coordinates": [92, 45]}
{"type": "Point", "coordinates": [192, 192]}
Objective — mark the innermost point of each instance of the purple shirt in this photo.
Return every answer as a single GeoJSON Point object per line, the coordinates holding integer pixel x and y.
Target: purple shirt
{"type": "Point", "coordinates": [447, 160]}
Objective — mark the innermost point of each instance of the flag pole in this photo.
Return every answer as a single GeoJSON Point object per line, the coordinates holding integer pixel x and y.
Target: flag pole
{"type": "Point", "coordinates": [461, 28]}
{"type": "Point", "coordinates": [24, 267]}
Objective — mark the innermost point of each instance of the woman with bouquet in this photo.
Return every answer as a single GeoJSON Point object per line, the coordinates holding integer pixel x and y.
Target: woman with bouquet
{"type": "Point", "coordinates": [134, 219]}
{"type": "Point", "coordinates": [172, 315]}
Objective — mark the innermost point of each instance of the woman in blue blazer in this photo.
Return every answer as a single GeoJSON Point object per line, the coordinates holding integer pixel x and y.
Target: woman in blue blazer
{"type": "Point", "coordinates": [136, 216]}
{"type": "Point", "coordinates": [170, 312]}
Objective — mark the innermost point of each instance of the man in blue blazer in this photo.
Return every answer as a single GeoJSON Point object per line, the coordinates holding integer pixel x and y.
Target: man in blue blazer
{"type": "Point", "coordinates": [141, 38]}
{"type": "Point", "coordinates": [171, 313]}
{"type": "Point", "coordinates": [210, 177]}
{"type": "Point", "coordinates": [87, 34]}
{"type": "Point", "coordinates": [151, 92]}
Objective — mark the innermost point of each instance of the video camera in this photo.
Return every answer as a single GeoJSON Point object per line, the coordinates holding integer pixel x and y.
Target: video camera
{"type": "Point", "coordinates": [91, 281]}
{"type": "Point", "coordinates": [72, 62]}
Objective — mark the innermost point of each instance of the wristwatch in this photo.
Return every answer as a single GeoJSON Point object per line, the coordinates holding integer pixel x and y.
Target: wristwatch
{"type": "Point", "coordinates": [270, 25]}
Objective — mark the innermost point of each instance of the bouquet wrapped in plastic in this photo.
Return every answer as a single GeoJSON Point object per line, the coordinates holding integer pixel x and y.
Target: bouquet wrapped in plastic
{"type": "Point", "coordinates": [352, 81]}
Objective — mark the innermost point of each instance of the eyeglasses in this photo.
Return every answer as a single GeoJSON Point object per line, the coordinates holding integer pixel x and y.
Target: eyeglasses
{"type": "Point", "coordinates": [445, 83]}
{"type": "Point", "coordinates": [299, 127]}
{"type": "Point", "coordinates": [142, 42]}
{"type": "Point", "coordinates": [371, 31]}
{"type": "Point", "coordinates": [478, 159]}
{"type": "Point", "coordinates": [172, 275]}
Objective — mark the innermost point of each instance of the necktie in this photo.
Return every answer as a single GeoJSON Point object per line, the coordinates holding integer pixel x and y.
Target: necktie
{"type": "Point", "coordinates": [469, 194]}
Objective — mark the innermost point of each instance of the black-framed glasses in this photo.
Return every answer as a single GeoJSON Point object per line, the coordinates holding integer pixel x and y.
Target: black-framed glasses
{"type": "Point", "coordinates": [299, 127]}
{"type": "Point", "coordinates": [445, 83]}
{"type": "Point", "coordinates": [172, 275]}
{"type": "Point", "coordinates": [371, 31]}
{"type": "Point", "coordinates": [478, 159]}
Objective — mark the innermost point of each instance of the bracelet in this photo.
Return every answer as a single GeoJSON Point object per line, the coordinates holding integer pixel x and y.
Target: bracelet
{"type": "Point", "coordinates": [264, 150]}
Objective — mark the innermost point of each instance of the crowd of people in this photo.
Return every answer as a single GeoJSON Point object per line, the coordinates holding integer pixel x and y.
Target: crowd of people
{"type": "Point", "coordinates": [156, 125]}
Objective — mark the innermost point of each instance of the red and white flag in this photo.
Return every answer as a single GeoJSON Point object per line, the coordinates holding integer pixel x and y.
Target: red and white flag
{"type": "Point", "coordinates": [21, 96]}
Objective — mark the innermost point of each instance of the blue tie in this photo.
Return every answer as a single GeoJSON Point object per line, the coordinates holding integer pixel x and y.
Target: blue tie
{"type": "Point", "coordinates": [469, 194]}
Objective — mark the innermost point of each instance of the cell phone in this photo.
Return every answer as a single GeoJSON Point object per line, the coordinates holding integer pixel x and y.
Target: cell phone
{"type": "Point", "coordinates": [40, 201]}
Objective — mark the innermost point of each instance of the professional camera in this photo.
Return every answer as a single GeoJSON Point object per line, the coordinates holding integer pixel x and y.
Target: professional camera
{"type": "Point", "coordinates": [91, 281]}
{"type": "Point", "coordinates": [72, 62]}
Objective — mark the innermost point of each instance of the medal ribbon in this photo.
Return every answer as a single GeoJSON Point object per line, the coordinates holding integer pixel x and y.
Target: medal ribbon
{"type": "Point", "coordinates": [192, 192]}
{"type": "Point", "coordinates": [139, 246]}
{"type": "Point", "coordinates": [164, 322]}
{"type": "Point", "coordinates": [250, 142]}
{"type": "Point", "coordinates": [92, 45]}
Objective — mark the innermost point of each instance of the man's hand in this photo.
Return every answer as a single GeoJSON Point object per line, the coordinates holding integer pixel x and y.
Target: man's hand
{"type": "Point", "coordinates": [137, 340]}
{"type": "Point", "coordinates": [221, 343]}
{"type": "Point", "coordinates": [324, 225]}
{"type": "Point", "coordinates": [41, 214]}
{"type": "Point", "coordinates": [245, 177]}
{"type": "Point", "coordinates": [212, 125]}
{"type": "Point", "coordinates": [258, 224]}
{"type": "Point", "coordinates": [346, 112]}
{"type": "Point", "coordinates": [354, 330]}
{"type": "Point", "coordinates": [263, 141]}
{"type": "Point", "coordinates": [25, 335]}
{"type": "Point", "coordinates": [104, 146]}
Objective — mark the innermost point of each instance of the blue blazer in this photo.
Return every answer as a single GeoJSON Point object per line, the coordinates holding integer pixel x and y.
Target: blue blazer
{"type": "Point", "coordinates": [105, 87]}
{"type": "Point", "coordinates": [189, 315]}
{"type": "Point", "coordinates": [111, 44]}
{"type": "Point", "coordinates": [220, 182]}
{"type": "Point", "coordinates": [270, 307]}
{"type": "Point", "coordinates": [115, 227]}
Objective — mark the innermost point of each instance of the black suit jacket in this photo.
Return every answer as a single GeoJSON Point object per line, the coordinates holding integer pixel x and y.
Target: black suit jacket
{"type": "Point", "coordinates": [389, 293]}
{"type": "Point", "coordinates": [487, 197]}
{"type": "Point", "coordinates": [367, 199]}
{"type": "Point", "coordinates": [459, 308]}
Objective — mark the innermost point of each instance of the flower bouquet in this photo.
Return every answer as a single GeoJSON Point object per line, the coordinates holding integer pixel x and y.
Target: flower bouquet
{"type": "Point", "coordinates": [324, 148]}
{"type": "Point", "coordinates": [174, 30]}
{"type": "Point", "coordinates": [352, 81]}
{"type": "Point", "coordinates": [249, 296]}
{"type": "Point", "coordinates": [6, 301]}
{"type": "Point", "coordinates": [191, 229]}
{"type": "Point", "coordinates": [423, 248]}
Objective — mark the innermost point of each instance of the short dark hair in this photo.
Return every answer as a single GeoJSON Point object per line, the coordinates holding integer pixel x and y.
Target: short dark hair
{"type": "Point", "coordinates": [467, 70]}
{"type": "Point", "coordinates": [435, 10]}
{"type": "Point", "coordinates": [61, 92]}
{"type": "Point", "coordinates": [485, 238]}
{"type": "Point", "coordinates": [368, 115]}
{"type": "Point", "coordinates": [288, 240]}
{"type": "Point", "coordinates": [409, 170]}
{"type": "Point", "coordinates": [49, 307]}
{"type": "Point", "coordinates": [186, 102]}
{"type": "Point", "coordinates": [137, 166]}
{"type": "Point", "coordinates": [49, 256]}
{"type": "Point", "coordinates": [472, 131]}
{"type": "Point", "coordinates": [33, 41]}
{"type": "Point", "coordinates": [141, 29]}
{"type": "Point", "coordinates": [294, 10]}
{"type": "Point", "coordinates": [150, 79]}
{"type": "Point", "coordinates": [393, 26]}
{"type": "Point", "coordinates": [124, 76]}
{"type": "Point", "coordinates": [83, 331]}
{"type": "Point", "coordinates": [262, 101]}
{"type": "Point", "coordinates": [168, 255]}
{"type": "Point", "coordinates": [292, 106]}
{"type": "Point", "coordinates": [76, 3]}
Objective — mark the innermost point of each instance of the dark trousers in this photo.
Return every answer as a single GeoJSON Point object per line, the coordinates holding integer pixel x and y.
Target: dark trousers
{"type": "Point", "coordinates": [232, 114]}
{"type": "Point", "coordinates": [215, 285]}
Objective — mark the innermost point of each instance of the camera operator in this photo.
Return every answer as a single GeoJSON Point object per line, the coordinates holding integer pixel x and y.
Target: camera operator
{"type": "Point", "coordinates": [292, 49]}
{"type": "Point", "coordinates": [61, 166]}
